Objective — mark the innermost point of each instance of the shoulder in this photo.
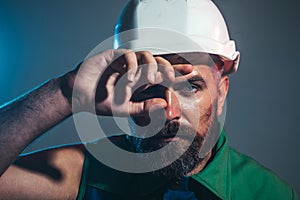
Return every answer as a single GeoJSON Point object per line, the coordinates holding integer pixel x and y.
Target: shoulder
{"type": "Point", "coordinates": [254, 180]}
{"type": "Point", "coordinates": [52, 173]}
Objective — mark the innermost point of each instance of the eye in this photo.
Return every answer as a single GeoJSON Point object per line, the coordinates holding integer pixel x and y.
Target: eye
{"type": "Point", "coordinates": [191, 88]}
{"type": "Point", "coordinates": [188, 89]}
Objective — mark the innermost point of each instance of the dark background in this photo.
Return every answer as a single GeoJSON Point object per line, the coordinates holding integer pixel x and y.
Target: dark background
{"type": "Point", "coordinates": [42, 39]}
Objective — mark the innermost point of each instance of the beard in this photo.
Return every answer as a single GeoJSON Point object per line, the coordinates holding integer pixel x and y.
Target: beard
{"type": "Point", "coordinates": [191, 147]}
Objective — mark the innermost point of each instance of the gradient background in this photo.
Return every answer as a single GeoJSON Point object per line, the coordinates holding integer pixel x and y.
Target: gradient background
{"type": "Point", "coordinates": [40, 39]}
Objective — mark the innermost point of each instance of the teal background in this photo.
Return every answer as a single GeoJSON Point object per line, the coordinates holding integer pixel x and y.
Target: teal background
{"type": "Point", "coordinates": [41, 39]}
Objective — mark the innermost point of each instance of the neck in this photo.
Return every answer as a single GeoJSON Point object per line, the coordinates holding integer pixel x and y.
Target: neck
{"type": "Point", "coordinates": [201, 165]}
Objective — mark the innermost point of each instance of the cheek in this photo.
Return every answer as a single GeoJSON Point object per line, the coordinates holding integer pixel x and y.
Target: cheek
{"type": "Point", "coordinates": [206, 110]}
{"type": "Point", "coordinates": [197, 111]}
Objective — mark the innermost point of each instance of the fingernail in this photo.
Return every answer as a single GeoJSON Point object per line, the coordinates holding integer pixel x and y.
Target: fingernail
{"type": "Point", "coordinates": [171, 76]}
{"type": "Point", "coordinates": [130, 76]}
{"type": "Point", "coordinates": [151, 78]}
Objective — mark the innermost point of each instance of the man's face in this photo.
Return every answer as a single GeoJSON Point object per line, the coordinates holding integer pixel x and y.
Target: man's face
{"type": "Point", "coordinates": [192, 109]}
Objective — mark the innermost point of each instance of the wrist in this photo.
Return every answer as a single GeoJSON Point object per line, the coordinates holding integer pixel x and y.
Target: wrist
{"type": "Point", "coordinates": [65, 86]}
{"type": "Point", "coordinates": [67, 82]}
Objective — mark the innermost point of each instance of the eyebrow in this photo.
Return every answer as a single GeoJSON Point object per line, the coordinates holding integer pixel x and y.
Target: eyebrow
{"type": "Point", "coordinates": [197, 79]}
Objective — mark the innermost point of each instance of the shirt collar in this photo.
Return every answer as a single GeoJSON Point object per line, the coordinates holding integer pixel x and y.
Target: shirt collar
{"type": "Point", "coordinates": [215, 175]}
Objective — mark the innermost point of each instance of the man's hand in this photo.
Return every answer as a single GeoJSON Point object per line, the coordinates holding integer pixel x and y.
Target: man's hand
{"type": "Point", "coordinates": [105, 82]}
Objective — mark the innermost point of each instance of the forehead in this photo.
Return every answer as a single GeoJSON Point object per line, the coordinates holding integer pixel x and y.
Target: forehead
{"type": "Point", "coordinates": [194, 58]}
{"type": "Point", "coordinates": [202, 63]}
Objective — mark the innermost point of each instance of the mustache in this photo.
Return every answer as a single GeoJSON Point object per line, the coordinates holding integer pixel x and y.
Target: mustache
{"type": "Point", "coordinates": [170, 129]}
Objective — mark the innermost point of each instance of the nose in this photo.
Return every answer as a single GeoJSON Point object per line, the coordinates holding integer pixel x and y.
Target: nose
{"type": "Point", "coordinates": [173, 109]}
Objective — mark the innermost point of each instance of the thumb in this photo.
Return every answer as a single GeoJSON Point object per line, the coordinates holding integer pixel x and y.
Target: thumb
{"type": "Point", "coordinates": [144, 107]}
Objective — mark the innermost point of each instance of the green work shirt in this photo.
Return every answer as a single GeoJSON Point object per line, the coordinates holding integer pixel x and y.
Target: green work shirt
{"type": "Point", "coordinates": [229, 175]}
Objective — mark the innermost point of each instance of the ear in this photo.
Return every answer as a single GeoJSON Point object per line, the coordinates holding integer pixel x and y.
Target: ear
{"type": "Point", "coordinates": [222, 93]}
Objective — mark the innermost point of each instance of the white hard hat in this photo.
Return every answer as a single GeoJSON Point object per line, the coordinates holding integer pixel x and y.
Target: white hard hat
{"type": "Point", "coordinates": [176, 25]}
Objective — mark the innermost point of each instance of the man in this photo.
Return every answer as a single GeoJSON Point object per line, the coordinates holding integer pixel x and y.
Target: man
{"type": "Point", "coordinates": [177, 73]}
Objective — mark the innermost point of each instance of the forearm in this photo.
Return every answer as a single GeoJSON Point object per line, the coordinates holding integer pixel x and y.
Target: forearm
{"type": "Point", "coordinates": [26, 118]}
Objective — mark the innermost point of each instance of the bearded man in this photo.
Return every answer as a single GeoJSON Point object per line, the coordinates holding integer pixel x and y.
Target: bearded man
{"type": "Point", "coordinates": [167, 76]}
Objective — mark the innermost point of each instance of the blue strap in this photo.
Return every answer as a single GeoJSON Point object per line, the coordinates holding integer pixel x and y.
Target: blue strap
{"type": "Point", "coordinates": [179, 195]}
{"type": "Point", "coordinates": [178, 190]}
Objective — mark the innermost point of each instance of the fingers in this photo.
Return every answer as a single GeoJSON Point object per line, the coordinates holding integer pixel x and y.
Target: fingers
{"type": "Point", "coordinates": [131, 61]}
{"type": "Point", "coordinates": [172, 71]}
{"type": "Point", "coordinates": [148, 65]}
{"type": "Point", "coordinates": [183, 69]}
{"type": "Point", "coordinates": [155, 68]}
{"type": "Point", "coordinates": [166, 67]}
{"type": "Point", "coordinates": [132, 65]}
{"type": "Point", "coordinates": [114, 90]}
{"type": "Point", "coordinates": [144, 107]}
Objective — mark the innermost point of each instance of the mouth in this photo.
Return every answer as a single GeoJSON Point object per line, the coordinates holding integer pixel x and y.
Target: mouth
{"type": "Point", "coordinates": [167, 137]}
{"type": "Point", "coordinates": [173, 131]}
